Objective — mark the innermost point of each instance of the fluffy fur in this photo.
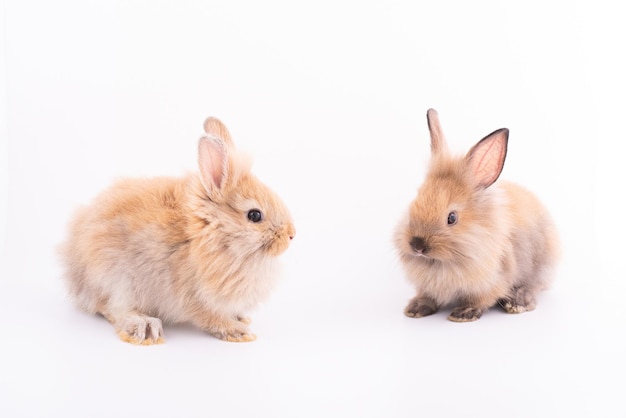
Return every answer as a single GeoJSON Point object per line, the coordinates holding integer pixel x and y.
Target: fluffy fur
{"type": "Point", "coordinates": [501, 247]}
{"type": "Point", "coordinates": [179, 249]}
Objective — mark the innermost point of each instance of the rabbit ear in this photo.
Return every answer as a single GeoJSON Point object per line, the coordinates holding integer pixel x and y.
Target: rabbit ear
{"type": "Point", "coordinates": [437, 140]}
{"type": "Point", "coordinates": [486, 158]}
{"type": "Point", "coordinates": [213, 163]}
{"type": "Point", "coordinates": [214, 127]}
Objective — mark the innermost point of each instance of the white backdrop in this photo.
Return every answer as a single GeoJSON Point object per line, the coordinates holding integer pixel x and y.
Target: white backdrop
{"type": "Point", "coordinates": [330, 98]}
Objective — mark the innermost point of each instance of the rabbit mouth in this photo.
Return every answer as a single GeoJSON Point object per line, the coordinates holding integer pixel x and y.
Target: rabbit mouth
{"type": "Point", "coordinates": [422, 257]}
{"type": "Point", "coordinates": [276, 247]}
{"type": "Point", "coordinates": [280, 239]}
{"type": "Point", "coordinates": [278, 244]}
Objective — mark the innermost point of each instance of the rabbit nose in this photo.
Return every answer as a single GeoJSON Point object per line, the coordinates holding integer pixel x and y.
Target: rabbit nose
{"type": "Point", "coordinates": [418, 244]}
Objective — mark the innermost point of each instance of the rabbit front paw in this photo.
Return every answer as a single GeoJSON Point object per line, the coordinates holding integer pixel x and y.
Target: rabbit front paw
{"type": "Point", "coordinates": [521, 300]}
{"type": "Point", "coordinates": [465, 314]}
{"type": "Point", "coordinates": [235, 334]}
{"type": "Point", "coordinates": [140, 329]}
{"type": "Point", "coordinates": [420, 306]}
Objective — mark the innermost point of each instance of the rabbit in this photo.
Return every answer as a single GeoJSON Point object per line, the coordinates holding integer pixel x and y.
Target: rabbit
{"type": "Point", "coordinates": [468, 242]}
{"type": "Point", "coordinates": [201, 249]}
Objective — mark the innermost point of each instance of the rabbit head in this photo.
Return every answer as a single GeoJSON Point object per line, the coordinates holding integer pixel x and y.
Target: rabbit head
{"type": "Point", "coordinates": [248, 216]}
{"type": "Point", "coordinates": [454, 213]}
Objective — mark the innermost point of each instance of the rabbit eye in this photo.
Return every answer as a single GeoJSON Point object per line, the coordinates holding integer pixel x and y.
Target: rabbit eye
{"type": "Point", "coordinates": [255, 215]}
{"type": "Point", "coordinates": [452, 218]}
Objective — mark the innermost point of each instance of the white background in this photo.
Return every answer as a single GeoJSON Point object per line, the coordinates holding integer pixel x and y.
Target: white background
{"type": "Point", "coordinates": [330, 98]}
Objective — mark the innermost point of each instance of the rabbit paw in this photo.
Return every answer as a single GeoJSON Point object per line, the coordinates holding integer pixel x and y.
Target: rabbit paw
{"type": "Point", "coordinates": [521, 301]}
{"type": "Point", "coordinates": [465, 314]}
{"type": "Point", "coordinates": [140, 329]}
{"type": "Point", "coordinates": [420, 306]}
{"type": "Point", "coordinates": [237, 335]}
{"type": "Point", "coordinates": [226, 327]}
{"type": "Point", "coordinates": [513, 306]}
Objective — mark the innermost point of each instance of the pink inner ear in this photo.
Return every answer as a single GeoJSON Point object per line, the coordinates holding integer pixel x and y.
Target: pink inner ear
{"type": "Point", "coordinates": [486, 167]}
{"type": "Point", "coordinates": [212, 161]}
{"type": "Point", "coordinates": [487, 157]}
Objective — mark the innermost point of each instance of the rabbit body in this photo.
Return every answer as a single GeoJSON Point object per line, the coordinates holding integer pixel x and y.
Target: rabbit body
{"type": "Point", "coordinates": [180, 249]}
{"type": "Point", "coordinates": [471, 242]}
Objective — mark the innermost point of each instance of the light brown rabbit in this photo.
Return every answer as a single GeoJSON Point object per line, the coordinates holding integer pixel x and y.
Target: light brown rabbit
{"type": "Point", "coordinates": [472, 243]}
{"type": "Point", "coordinates": [200, 249]}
